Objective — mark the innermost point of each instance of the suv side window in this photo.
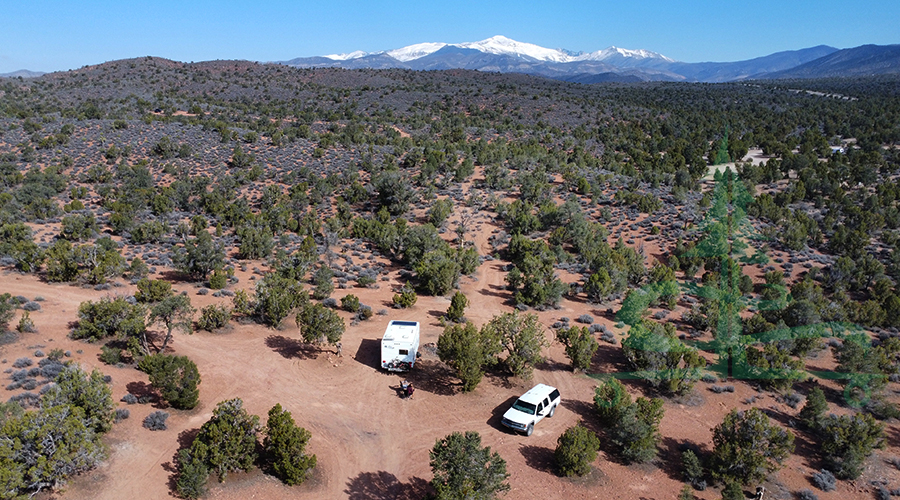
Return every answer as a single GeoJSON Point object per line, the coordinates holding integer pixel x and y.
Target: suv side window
{"type": "Point", "coordinates": [554, 395]}
{"type": "Point", "coordinates": [540, 408]}
{"type": "Point", "coordinates": [546, 403]}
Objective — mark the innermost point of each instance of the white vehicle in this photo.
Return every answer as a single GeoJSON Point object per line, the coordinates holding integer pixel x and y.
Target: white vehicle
{"type": "Point", "coordinates": [400, 345]}
{"type": "Point", "coordinates": [540, 401]}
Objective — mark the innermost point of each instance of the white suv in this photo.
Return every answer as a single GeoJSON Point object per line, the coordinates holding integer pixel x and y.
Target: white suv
{"type": "Point", "coordinates": [540, 401]}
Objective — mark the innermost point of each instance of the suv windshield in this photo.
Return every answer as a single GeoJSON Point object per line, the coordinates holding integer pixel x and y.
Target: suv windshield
{"type": "Point", "coordinates": [524, 407]}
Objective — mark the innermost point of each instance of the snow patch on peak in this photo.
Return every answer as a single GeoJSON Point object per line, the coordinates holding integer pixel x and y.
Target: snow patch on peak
{"type": "Point", "coordinates": [413, 52]}
{"type": "Point", "coordinates": [502, 45]}
{"type": "Point", "coordinates": [346, 57]}
{"type": "Point", "coordinates": [617, 52]}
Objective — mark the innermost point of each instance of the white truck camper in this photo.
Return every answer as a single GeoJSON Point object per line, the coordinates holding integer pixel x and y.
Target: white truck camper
{"type": "Point", "coordinates": [400, 345]}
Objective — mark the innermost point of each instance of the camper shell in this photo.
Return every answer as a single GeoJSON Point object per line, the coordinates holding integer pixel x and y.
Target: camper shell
{"type": "Point", "coordinates": [400, 345]}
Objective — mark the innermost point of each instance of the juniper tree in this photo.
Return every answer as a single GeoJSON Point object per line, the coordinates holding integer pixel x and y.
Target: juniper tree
{"type": "Point", "coordinates": [285, 445]}
{"type": "Point", "coordinates": [580, 346]}
{"type": "Point", "coordinates": [175, 313]}
{"type": "Point", "coordinates": [521, 336]}
{"type": "Point", "coordinates": [464, 348]}
{"type": "Point", "coordinates": [226, 442]}
{"type": "Point", "coordinates": [175, 377]}
{"type": "Point", "coordinates": [319, 324]}
{"type": "Point", "coordinates": [576, 450]}
{"type": "Point", "coordinates": [463, 469]}
{"type": "Point", "coordinates": [747, 447]}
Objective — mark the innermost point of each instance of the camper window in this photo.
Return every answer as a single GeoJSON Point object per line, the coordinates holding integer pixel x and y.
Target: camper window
{"type": "Point", "coordinates": [404, 352]}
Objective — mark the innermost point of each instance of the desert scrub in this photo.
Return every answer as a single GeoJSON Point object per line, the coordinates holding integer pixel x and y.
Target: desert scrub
{"type": "Point", "coordinates": [350, 303]}
{"type": "Point", "coordinates": [26, 324]}
{"type": "Point", "coordinates": [156, 421]}
{"type": "Point", "coordinates": [214, 317]}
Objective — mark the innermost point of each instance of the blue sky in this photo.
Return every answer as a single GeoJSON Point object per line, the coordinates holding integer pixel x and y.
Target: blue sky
{"type": "Point", "coordinates": [47, 35]}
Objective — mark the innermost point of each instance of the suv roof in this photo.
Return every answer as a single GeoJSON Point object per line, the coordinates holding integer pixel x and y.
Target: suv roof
{"type": "Point", "coordinates": [537, 393]}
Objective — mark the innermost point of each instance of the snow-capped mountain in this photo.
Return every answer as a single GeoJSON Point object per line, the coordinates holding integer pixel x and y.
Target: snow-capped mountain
{"type": "Point", "coordinates": [505, 55]}
{"type": "Point", "coordinates": [503, 46]}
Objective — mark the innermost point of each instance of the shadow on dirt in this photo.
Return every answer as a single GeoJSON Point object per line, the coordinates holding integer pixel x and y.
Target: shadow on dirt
{"type": "Point", "coordinates": [368, 353]}
{"type": "Point", "coordinates": [143, 391]}
{"type": "Point", "coordinates": [434, 377]}
{"type": "Point", "coordinates": [539, 458]}
{"type": "Point", "coordinates": [383, 485]}
{"type": "Point", "coordinates": [496, 420]}
{"type": "Point", "coordinates": [291, 348]}
{"type": "Point", "coordinates": [551, 365]}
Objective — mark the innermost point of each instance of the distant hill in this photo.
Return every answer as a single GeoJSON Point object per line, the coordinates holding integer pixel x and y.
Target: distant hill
{"type": "Point", "coordinates": [24, 73]}
{"type": "Point", "coordinates": [740, 70]}
{"type": "Point", "coordinates": [864, 60]}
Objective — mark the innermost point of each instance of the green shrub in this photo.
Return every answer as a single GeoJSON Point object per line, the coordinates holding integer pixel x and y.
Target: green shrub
{"type": "Point", "coordinates": [175, 377]}
{"type": "Point", "coordinates": [109, 317]}
{"type": "Point", "coordinates": [350, 303]}
{"type": "Point", "coordinates": [747, 447]}
{"type": "Point", "coordinates": [580, 346]}
{"type": "Point", "coordinates": [323, 284]}
{"type": "Point", "coordinates": [457, 310]}
{"type": "Point", "coordinates": [406, 298]}
{"type": "Point", "coordinates": [218, 279]}
{"type": "Point", "coordinates": [465, 349]}
{"type": "Point", "coordinates": [576, 450]}
{"type": "Point", "coordinates": [318, 324]}
{"type": "Point", "coordinates": [110, 355]}
{"type": "Point", "coordinates": [633, 427]}
{"type": "Point", "coordinates": [285, 446]}
{"type": "Point", "coordinates": [847, 441]}
{"type": "Point", "coordinates": [26, 324]}
{"type": "Point", "coordinates": [152, 290]}
{"type": "Point", "coordinates": [213, 317]}
{"type": "Point", "coordinates": [463, 469]}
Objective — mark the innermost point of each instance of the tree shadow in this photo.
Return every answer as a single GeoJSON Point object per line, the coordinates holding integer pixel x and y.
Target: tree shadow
{"type": "Point", "coordinates": [383, 485]}
{"type": "Point", "coordinates": [499, 376]}
{"type": "Point", "coordinates": [586, 412]}
{"type": "Point", "coordinates": [539, 458]}
{"type": "Point", "coordinates": [496, 419]}
{"type": "Point", "coordinates": [173, 276]}
{"type": "Point", "coordinates": [499, 292]}
{"type": "Point", "coordinates": [369, 353]}
{"type": "Point", "coordinates": [551, 365]}
{"type": "Point", "coordinates": [669, 458]}
{"type": "Point", "coordinates": [291, 348]}
{"type": "Point", "coordinates": [143, 391]}
{"type": "Point", "coordinates": [434, 377]}
{"type": "Point", "coordinates": [609, 358]}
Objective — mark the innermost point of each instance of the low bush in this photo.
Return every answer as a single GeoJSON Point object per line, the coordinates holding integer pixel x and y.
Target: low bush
{"type": "Point", "coordinates": [23, 363]}
{"type": "Point", "coordinates": [350, 303]}
{"type": "Point", "coordinates": [218, 279]}
{"type": "Point", "coordinates": [808, 495]}
{"type": "Point", "coordinates": [576, 450]}
{"type": "Point", "coordinates": [110, 355]}
{"type": "Point", "coordinates": [214, 317]}
{"type": "Point", "coordinates": [156, 421]}
{"type": "Point", "coordinates": [121, 414]}
{"type": "Point", "coordinates": [824, 480]}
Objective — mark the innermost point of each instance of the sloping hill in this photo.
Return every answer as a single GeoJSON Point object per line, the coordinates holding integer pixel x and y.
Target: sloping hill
{"type": "Point", "coordinates": [864, 60]}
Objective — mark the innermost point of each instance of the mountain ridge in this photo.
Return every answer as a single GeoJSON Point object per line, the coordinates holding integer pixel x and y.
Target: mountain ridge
{"type": "Point", "coordinates": [503, 54]}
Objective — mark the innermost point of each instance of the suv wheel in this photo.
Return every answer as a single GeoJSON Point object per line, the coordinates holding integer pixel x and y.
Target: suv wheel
{"type": "Point", "coordinates": [552, 411]}
{"type": "Point", "coordinates": [529, 429]}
